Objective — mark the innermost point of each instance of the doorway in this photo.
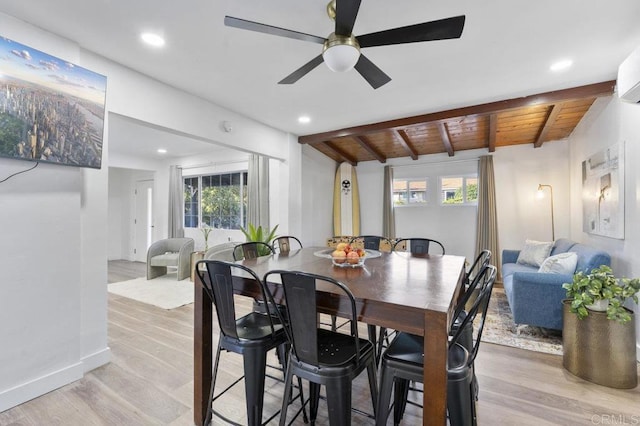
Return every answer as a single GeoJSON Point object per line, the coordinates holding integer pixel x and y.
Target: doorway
{"type": "Point", "coordinates": [143, 219]}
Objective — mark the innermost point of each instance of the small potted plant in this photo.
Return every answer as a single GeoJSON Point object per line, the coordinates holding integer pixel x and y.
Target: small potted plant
{"type": "Point", "coordinates": [259, 234]}
{"type": "Point", "coordinates": [600, 290]}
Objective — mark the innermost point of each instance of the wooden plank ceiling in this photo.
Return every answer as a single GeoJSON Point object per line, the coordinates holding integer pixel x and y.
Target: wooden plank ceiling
{"type": "Point", "coordinates": [530, 120]}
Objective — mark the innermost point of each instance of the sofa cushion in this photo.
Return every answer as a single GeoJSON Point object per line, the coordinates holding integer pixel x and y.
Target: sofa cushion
{"type": "Point", "coordinates": [563, 263]}
{"type": "Point", "coordinates": [509, 268]}
{"type": "Point", "coordinates": [534, 252]}
{"type": "Point", "coordinates": [562, 245]}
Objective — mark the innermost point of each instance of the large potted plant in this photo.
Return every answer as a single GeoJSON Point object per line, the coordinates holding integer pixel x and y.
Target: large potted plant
{"type": "Point", "coordinates": [599, 342]}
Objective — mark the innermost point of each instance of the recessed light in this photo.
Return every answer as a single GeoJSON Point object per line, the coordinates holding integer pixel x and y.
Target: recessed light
{"type": "Point", "coordinates": [162, 151]}
{"type": "Point", "coordinates": [304, 119]}
{"type": "Point", "coordinates": [152, 39]}
{"type": "Point", "coordinates": [561, 65]}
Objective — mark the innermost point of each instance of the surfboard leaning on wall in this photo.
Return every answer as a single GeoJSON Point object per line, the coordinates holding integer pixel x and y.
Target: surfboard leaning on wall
{"type": "Point", "coordinates": [346, 202]}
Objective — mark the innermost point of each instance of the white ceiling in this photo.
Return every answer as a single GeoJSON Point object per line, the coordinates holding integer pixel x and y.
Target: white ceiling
{"type": "Point", "coordinates": [505, 51]}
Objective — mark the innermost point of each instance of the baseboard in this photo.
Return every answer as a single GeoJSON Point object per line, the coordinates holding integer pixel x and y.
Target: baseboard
{"type": "Point", "coordinates": [37, 387]}
{"type": "Point", "coordinates": [95, 360]}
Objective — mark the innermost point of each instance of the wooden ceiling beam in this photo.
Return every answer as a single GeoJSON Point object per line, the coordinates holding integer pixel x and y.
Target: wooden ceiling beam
{"type": "Point", "coordinates": [405, 141]}
{"type": "Point", "coordinates": [367, 146]}
{"type": "Point", "coordinates": [493, 131]}
{"type": "Point", "coordinates": [548, 124]}
{"type": "Point", "coordinates": [340, 153]}
{"type": "Point", "coordinates": [446, 139]}
{"type": "Point", "coordinates": [592, 90]}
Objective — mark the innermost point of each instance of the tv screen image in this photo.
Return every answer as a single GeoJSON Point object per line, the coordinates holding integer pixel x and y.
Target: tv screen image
{"type": "Point", "coordinates": [50, 109]}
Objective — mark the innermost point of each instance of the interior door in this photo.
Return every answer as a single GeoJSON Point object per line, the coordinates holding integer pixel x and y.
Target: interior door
{"type": "Point", "coordinates": [143, 219]}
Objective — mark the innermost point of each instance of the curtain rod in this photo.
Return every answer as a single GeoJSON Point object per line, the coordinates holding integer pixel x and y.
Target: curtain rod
{"type": "Point", "coordinates": [437, 162]}
{"type": "Point", "coordinates": [212, 163]}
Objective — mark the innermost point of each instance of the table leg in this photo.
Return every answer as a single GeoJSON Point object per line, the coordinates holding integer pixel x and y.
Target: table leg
{"type": "Point", "coordinates": [435, 368]}
{"type": "Point", "coordinates": [202, 352]}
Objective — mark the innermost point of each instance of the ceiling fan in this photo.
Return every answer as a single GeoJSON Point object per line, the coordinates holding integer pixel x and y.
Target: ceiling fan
{"type": "Point", "coordinates": [341, 50]}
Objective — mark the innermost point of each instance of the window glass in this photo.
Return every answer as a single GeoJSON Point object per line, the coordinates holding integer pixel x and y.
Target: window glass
{"type": "Point", "coordinates": [459, 190]}
{"type": "Point", "coordinates": [412, 191]}
{"type": "Point", "coordinates": [222, 202]}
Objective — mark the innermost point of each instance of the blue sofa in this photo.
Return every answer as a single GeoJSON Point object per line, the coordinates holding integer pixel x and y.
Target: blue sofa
{"type": "Point", "coordinates": [535, 298]}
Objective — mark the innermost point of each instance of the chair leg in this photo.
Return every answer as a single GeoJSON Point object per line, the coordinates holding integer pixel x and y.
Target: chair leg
{"type": "Point", "coordinates": [373, 385]}
{"type": "Point", "coordinates": [314, 398]}
{"type": "Point", "coordinates": [459, 401]}
{"type": "Point", "coordinates": [384, 395]}
{"type": "Point", "coordinates": [207, 418]}
{"type": "Point", "coordinates": [400, 396]}
{"type": "Point", "coordinates": [339, 402]}
{"type": "Point", "coordinates": [255, 363]}
{"type": "Point", "coordinates": [288, 383]}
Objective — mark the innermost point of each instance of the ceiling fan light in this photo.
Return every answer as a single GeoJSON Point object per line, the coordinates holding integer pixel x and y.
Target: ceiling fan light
{"type": "Point", "coordinates": [341, 58]}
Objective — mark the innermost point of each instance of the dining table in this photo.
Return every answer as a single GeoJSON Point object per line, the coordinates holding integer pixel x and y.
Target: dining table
{"type": "Point", "coordinates": [397, 290]}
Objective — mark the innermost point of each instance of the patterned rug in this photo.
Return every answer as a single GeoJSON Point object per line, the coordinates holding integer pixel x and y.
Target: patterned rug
{"type": "Point", "coordinates": [500, 329]}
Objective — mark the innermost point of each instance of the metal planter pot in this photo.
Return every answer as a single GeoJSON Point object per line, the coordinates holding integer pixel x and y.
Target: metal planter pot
{"type": "Point", "coordinates": [600, 350]}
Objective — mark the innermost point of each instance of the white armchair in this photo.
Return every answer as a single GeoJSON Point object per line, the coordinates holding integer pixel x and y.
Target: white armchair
{"type": "Point", "coordinates": [172, 252]}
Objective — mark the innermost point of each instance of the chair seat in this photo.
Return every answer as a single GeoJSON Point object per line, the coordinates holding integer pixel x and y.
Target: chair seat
{"type": "Point", "coordinates": [256, 326]}
{"type": "Point", "coordinates": [335, 349]}
{"type": "Point", "coordinates": [167, 259]}
{"type": "Point", "coordinates": [409, 349]}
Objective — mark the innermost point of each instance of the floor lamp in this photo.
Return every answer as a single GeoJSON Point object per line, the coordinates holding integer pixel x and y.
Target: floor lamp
{"type": "Point", "coordinates": [541, 194]}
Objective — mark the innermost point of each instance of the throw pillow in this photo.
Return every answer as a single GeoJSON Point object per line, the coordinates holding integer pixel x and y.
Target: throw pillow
{"type": "Point", "coordinates": [534, 252]}
{"type": "Point", "coordinates": [563, 263]}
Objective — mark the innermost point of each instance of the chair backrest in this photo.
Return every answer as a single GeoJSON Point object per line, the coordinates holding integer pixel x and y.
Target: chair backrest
{"type": "Point", "coordinates": [418, 245]}
{"type": "Point", "coordinates": [283, 244]}
{"type": "Point", "coordinates": [300, 293]}
{"type": "Point", "coordinates": [473, 288]}
{"type": "Point", "coordinates": [251, 250]}
{"type": "Point", "coordinates": [217, 279]}
{"type": "Point", "coordinates": [371, 242]}
{"type": "Point", "coordinates": [481, 261]}
{"type": "Point", "coordinates": [480, 305]}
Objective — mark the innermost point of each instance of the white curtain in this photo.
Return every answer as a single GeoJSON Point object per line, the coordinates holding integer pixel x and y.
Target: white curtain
{"type": "Point", "coordinates": [487, 226]}
{"type": "Point", "coordinates": [388, 212]}
{"type": "Point", "coordinates": [258, 191]}
{"type": "Point", "coordinates": [176, 203]}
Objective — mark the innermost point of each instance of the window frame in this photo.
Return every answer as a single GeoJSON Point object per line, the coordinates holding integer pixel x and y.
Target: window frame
{"type": "Point", "coordinates": [465, 177]}
{"type": "Point", "coordinates": [408, 192]}
{"type": "Point", "coordinates": [243, 176]}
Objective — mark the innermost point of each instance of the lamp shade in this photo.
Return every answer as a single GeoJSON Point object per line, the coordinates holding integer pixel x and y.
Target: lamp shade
{"type": "Point", "coordinates": [341, 57]}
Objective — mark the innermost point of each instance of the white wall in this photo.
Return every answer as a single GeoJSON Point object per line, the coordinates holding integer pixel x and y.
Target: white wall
{"type": "Point", "coordinates": [316, 199]}
{"type": "Point", "coordinates": [521, 214]}
{"type": "Point", "coordinates": [54, 226]}
{"type": "Point", "coordinates": [610, 121]}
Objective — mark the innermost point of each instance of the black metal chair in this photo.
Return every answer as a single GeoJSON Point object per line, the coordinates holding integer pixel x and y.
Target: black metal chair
{"type": "Point", "coordinates": [371, 242]}
{"type": "Point", "coordinates": [481, 261]}
{"type": "Point", "coordinates": [251, 250]}
{"type": "Point", "coordinates": [418, 245]}
{"type": "Point", "coordinates": [322, 356]}
{"type": "Point", "coordinates": [283, 244]}
{"type": "Point", "coordinates": [252, 335]}
{"type": "Point", "coordinates": [403, 361]}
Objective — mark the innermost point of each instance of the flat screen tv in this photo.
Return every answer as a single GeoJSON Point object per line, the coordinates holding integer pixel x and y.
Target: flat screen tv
{"type": "Point", "coordinates": [50, 109]}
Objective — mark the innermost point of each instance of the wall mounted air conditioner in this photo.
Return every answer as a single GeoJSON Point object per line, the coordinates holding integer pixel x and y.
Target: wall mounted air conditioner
{"type": "Point", "coordinates": [629, 78]}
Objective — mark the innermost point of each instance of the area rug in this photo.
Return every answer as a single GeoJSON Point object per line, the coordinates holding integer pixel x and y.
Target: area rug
{"type": "Point", "coordinates": [500, 329]}
{"type": "Point", "coordinates": [164, 292]}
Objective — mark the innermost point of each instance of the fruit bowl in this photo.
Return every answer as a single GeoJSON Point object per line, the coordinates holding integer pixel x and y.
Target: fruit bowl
{"type": "Point", "coordinates": [346, 257]}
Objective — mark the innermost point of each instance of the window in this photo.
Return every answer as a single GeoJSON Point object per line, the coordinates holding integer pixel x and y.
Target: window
{"type": "Point", "coordinates": [219, 201]}
{"type": "Point", "coordinates": [459, 190]}
{"type": "Point", "coordinates": [409, 191]}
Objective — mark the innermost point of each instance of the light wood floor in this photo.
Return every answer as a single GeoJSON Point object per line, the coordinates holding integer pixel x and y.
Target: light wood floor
{"type": "Point", "coordinates": [149, 381]}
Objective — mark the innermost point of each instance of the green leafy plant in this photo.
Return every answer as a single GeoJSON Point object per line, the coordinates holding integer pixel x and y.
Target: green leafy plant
{"type": "Point", "coordinates": [600, 284]}
{"type": "Point", "coordinates": [206, 230]}
{"type": "Point", "coordinates": [260, 235]}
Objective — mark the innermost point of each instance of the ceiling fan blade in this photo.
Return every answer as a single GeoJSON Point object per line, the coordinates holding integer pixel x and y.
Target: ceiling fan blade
{"type": "Point", "coordinates": [302, 71]}
{"type": "Point", "coordinates": [243, 24]}
{"type": "Point", "coordinates": [442, 29]}
{"type": "Point", "coordinates": [346, 12]}
{"type": "Point", "coordinates": [374, 75]}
